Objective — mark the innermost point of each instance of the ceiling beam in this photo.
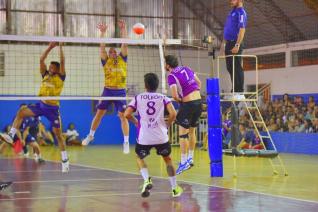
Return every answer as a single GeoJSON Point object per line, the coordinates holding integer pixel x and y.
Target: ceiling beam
{"type": "Point", "coordinates": [206, 16]}
{"type": "Point", "coordinates": [279, 20]}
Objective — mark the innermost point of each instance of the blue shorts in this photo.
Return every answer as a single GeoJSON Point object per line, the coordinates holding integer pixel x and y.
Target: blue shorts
{"type": "Point", "coordinates": [52, 113]}
{"type": "Point", "coordinates": [29, 139]}
{"type": "Point", "coordinates": [120, 105]}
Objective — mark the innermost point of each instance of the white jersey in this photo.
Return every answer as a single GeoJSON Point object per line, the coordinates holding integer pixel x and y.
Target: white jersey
{"type": "Point", "coordinates": [152, 128]}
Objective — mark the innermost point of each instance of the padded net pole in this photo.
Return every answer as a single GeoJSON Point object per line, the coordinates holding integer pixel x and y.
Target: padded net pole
{"type": "Point", "coordinates": [214, 127]}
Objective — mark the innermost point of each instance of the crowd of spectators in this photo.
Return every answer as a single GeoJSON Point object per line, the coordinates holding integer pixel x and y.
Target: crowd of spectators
{"type": "Point", "coordinates": [287, 115]}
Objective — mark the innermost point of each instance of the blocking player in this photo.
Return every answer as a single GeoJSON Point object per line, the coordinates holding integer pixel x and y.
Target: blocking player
{"type": "Point", "coordinates": [153, 131]}
{"type": "Point", "coordinates": [185, 89]}
{"type": "Point", "coordinates": [115, 70]}
{"type": "Point", "coordinates": [52, 85]}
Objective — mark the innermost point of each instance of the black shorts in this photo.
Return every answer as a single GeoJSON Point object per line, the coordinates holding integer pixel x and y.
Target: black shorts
{"type": "Point", "coordinates": [144, 150]}
{"type": "Point", "coordinates": [189, 114]}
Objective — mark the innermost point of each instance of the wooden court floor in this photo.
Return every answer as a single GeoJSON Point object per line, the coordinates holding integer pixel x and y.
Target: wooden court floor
{"type": "Point", "coordinates": [254, 188]}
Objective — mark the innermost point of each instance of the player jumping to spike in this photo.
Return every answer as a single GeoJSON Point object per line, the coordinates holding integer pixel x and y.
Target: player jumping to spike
{"type": "Point", "coordinates": [185, 89]}
{"type": "Point", "coordinates": [153, 131]}
{"type": "Point", "coordinates": [115, 70]}
{"type": "Point", "coordinates": [52, 85]}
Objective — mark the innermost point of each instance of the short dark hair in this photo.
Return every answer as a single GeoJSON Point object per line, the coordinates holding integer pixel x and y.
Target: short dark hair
{"type": "Point", "coordinates": [151, 82]}
{"type": "Point", "coordinates": [57, 64]}
{"type": "Point", "coordinates": [172, 61]}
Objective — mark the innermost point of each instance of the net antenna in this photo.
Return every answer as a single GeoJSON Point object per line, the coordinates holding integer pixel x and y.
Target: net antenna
{"type": "Point", "coordinates": [84, 72]}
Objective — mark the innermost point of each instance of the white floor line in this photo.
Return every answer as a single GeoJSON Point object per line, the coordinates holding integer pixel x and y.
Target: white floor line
{"type": "Point", "coordinates": [22, 192]}
{"type": "Point", "coordinates": [190, 182]}
{"type": "Point", "coordinates": [78, 180]}
{"type": "Point", "coordinates": [45, 170]}
{"type": "Point", "coordinates": [205, 184]}
{"type": "Point", "coordinates": [104, 195]}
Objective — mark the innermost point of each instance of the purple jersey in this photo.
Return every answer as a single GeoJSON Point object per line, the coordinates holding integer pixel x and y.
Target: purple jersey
{"type": "Point", "coordinates": [152, 126]}
{"type": "Point", "coordinates": [184, 79]}
{"type": "Point", "coordinates": [31, 122]}
{"type": "Point", "coordinates": [227, 124]}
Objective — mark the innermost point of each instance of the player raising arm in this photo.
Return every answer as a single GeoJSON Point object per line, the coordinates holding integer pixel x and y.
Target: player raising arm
{"type": "Point", "coordinates": [115, 71]}
{"type": "Point", "coordinates": [52, 85]}
{"type": "Point", "coordinates": [153, 131]}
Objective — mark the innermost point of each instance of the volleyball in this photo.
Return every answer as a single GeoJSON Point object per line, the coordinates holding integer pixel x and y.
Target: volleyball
{"type": "Point", "coordinates": [139, 28]}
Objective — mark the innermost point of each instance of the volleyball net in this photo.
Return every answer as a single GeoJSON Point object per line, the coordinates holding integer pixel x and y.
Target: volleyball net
{"type": "Point", "coordinates": [20, 76]}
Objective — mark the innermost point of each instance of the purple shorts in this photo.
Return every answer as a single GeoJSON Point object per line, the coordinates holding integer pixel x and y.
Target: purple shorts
{"type": "Point", "coordinates": [51, 112]}
{"type": "Point", "coordinates": [120, 105]}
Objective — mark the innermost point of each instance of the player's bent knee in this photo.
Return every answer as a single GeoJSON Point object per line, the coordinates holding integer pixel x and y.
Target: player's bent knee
{"type": "Point", "coordinates": [122, 116]}
{"type": "Point", "coordinates": [21, 112]}
{"type": "Point", "coordinates": [184, 136]}
{"type": "Point", "coordinates": [167, 159]}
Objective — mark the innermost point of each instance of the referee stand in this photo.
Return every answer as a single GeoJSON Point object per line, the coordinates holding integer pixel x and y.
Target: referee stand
{"type": "Point", "coordinates": [214, 99]}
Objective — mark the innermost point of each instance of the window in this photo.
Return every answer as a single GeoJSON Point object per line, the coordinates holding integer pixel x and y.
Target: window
{"type": "Point", "coordinates": [305, 57]}
{"type": "Point", "coordinates": [267, 61]}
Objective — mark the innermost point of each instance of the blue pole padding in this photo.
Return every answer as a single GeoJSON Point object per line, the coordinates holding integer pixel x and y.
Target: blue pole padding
{"type": "Point", "coordinates": [212, 86]}
{"type": "Point", "coordinates": [214, 111]}
{"type": "Point", "coordinates": [215, 127]}
{"type": "Point", "coordinates": [216, 169]}
{"type": "Point", "coordinates": [215, 144]}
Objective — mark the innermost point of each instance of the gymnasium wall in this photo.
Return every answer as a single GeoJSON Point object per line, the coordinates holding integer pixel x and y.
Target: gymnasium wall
{"type": "Point", "coordinates": [293, 80]}
{"type": "Point", "coordinates": [300, 143]}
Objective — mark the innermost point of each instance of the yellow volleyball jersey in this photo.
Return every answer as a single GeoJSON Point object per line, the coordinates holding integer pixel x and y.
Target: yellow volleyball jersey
{"type": "Point", "coordinates": [52, 85]}
{"type": "Point", "coordinates": [115, 71]}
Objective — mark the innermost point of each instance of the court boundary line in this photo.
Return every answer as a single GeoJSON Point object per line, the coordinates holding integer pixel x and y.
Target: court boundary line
{"type": "Point", "coordinates": [185, 181]}
{"type": "Point", "coordinates": [78, 180]}
{"type": "Point", "coordinates": [44, 170]}
{"type": "Point", "coordinates": [197, 183]}
{"type": "Point", "coordinates": [107, 194]}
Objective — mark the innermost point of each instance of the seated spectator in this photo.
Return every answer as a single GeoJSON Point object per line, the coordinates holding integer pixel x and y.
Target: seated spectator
{"type": "Point", "coordinates": [256, 142]}
{"type": "Point", "coordinates": [246, 136]}
{"type": "Point", "coordinates": [315, 125]}
{"type": "Point", "coordinates": [308, 126]}
{"type": "Point", "coordinates": [286, 100]}
{"type": "Point", "coordinates": [311, 102]}
{"type": "Point", "coordinates": [45, 137]}
{"type": "Point", "coordinates": [272, 125]}
{"type": "Point", "coordinates": [310, 114]}
{"type": "Point", "coordinates": [299, 126]}
{"type": "Point", "coordinates": [72, 136]}
{"type": "Point", "coordinates": [226, 133]}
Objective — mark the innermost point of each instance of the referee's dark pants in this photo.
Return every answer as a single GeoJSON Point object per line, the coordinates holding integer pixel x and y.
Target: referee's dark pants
{"type": "Point", "coordinates": [239, 72]}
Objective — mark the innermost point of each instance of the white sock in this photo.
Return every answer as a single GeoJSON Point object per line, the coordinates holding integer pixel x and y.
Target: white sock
{"type": "Point", "coordinates": [173, 182]}
{"type": "Point", "coordinates": [64, 155]}
{"type": "Point", "coordinates": [12, 132]}
{"type": "Point", "coordinates": [126, 139]}
{"type": "Point", "coordinates": [190, 154]}
{"type": "Point", "coordinates": [144, 173]}
{"type": "Point", "coordinates": [183, 158]}
{"type": "Point", "coordinates": [92, 133]}
{"type": "Point", "coordinates": [37, 156]}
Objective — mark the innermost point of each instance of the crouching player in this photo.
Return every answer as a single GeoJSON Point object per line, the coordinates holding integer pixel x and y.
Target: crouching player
{"type": "Point", "coordinates": [30, 131]}
{"type": "Point", "coordinates": [153, 131]}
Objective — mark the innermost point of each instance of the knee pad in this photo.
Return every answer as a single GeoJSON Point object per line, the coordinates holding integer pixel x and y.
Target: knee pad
{"type": "Point", "coordinates": [185, 136]}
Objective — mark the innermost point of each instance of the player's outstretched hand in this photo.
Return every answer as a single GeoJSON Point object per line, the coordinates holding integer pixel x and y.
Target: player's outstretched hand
{"type": "Point", "coordinates": [102, 27]}
{"type": "Point", "coordinates": [53, 44]}
{"type": "Point", "coordinates": [122, 24]}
